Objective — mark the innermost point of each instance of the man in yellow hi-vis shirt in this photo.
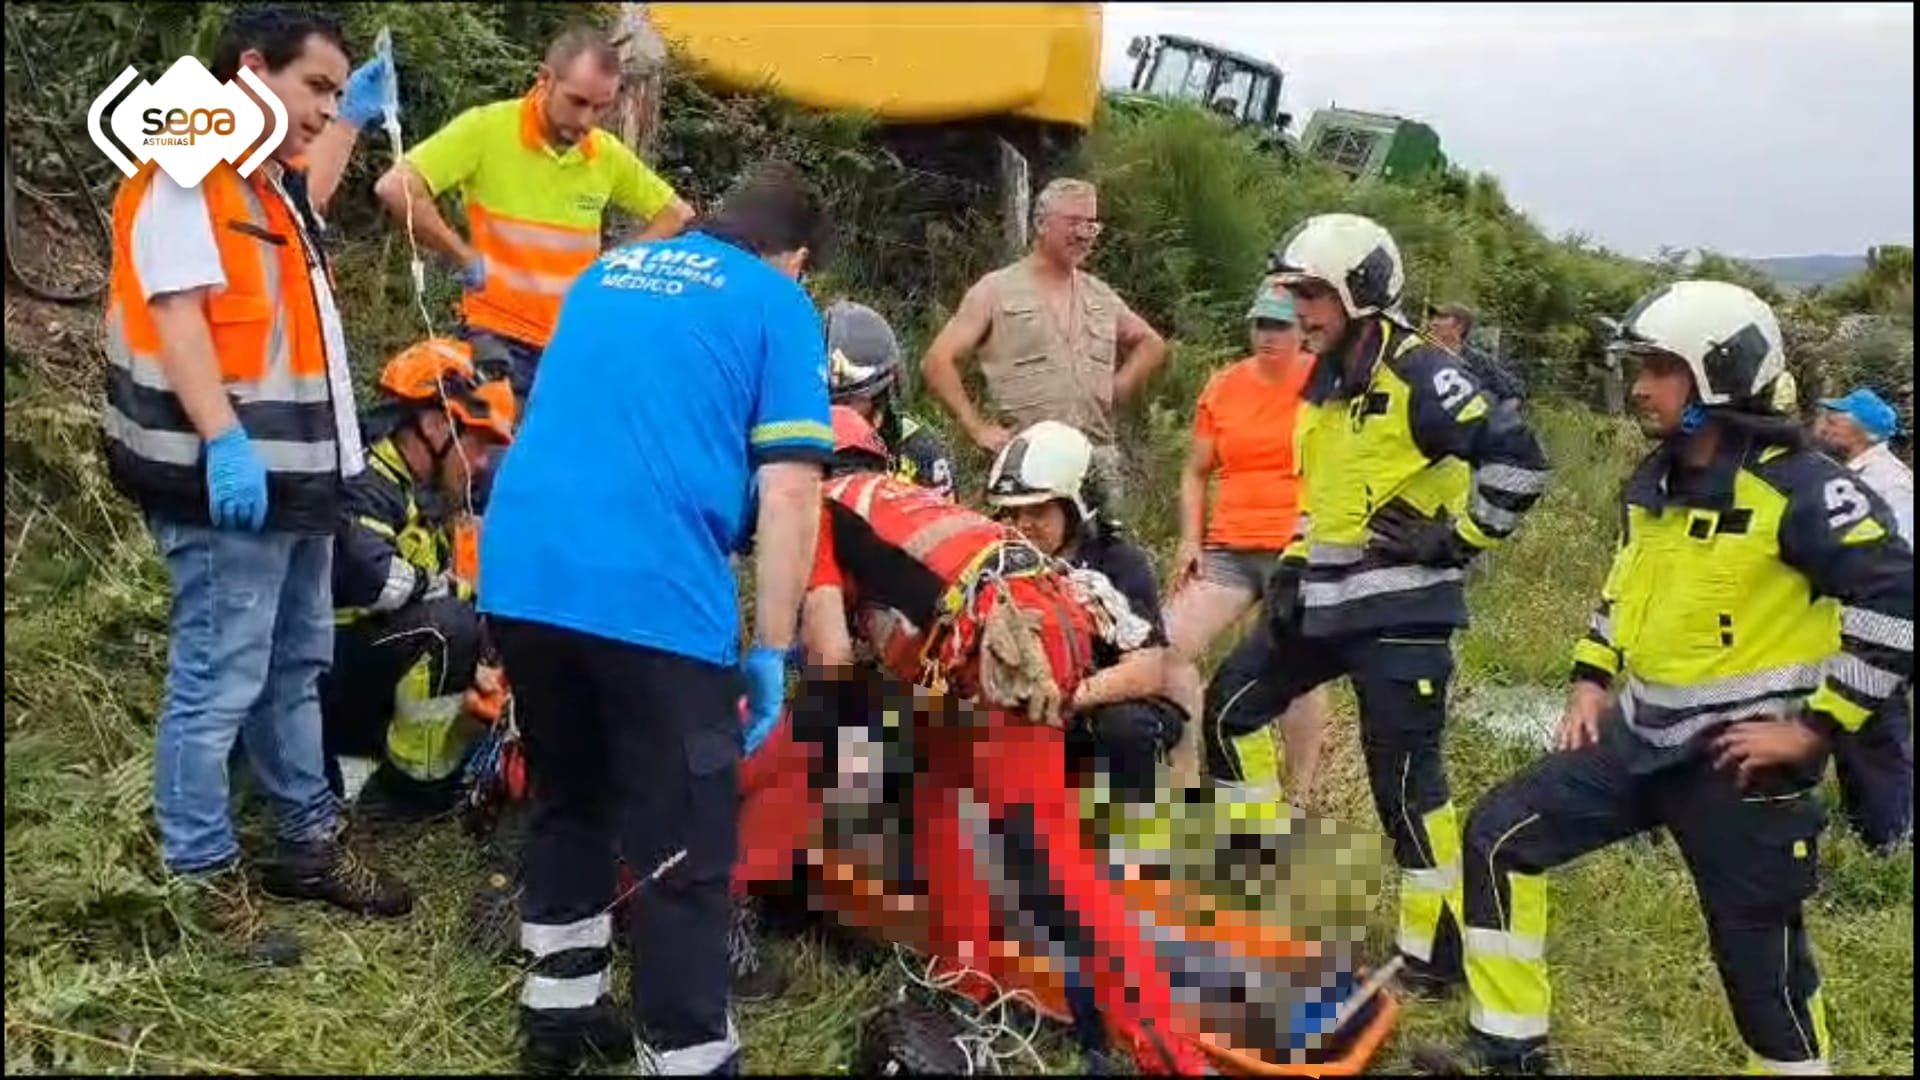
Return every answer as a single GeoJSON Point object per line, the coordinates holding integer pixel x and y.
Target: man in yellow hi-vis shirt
{"type": "Point", "coordinates": [535, 175]}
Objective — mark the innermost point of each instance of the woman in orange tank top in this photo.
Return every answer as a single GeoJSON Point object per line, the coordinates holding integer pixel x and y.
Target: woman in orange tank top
{"type": "Point", "coordinates": [1243, 442]}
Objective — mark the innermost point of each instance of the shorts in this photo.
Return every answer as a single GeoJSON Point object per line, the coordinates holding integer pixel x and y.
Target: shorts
{"type": "Point", "coordinates": [1246, 569]}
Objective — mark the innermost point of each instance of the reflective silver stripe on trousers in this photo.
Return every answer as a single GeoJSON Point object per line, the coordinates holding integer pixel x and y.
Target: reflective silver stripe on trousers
{"type": "Point", "coordinates": [1888, 631]}
{"type": "Point", "coordinates": [1335, 554]}
{"type": "Point", "coordinates": [181, 448]}
{"type": "Point", "coordinates": [545, 992]}
{"type": "Point", "coordinates": [1505, 1025]}
{"type": "Point", "coordinates": [525, 280]}
{"type": "Point", "coordinates": [1816, 1067]}
{"type": "Point", "coordinates": [1436, 879]}
{"type": "Point", "coordinates": [1392, 579]}
{"type": "Point", "coordinates": [1485, 942]}
{"type": "Point", "coordinates": [697, 1060]}
{"type": "Point", "coordinates": [541, 939]}
{"type": "Point", "coordinates": [526, 235]}
{"type": "Point", "coordinates": [1511, 479]}
{"type": "Point", "coordinates": [1858, 675]}
{"type": "Point", "coordinates": [1490, 517]}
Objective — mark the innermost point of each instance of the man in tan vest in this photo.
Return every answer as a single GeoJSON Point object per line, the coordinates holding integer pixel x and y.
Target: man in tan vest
{"type": "Point", "coordinates": [1055, 342]}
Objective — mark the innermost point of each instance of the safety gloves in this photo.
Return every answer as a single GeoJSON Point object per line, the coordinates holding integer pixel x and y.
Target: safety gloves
{"type": "Point", "coordinates": [1405, 535]}
{"type": "Point", "coordinates": [765, 668]}
{"type": "Point", "coordinates": [236, 482]}
{"type": "Point", "coordinates": [367, 91]}
{"type": "Point", "coordinates": [473, 276]}
{"type": "Point", "coordinates": [1282, 609]}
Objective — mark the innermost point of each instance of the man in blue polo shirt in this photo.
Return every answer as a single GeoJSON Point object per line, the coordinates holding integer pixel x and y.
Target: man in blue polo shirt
{"type": "Point", "coordinates": [683, 375]}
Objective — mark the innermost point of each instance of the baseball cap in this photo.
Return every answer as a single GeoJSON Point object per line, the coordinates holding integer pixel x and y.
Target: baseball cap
{"type": "Point", "coordinates": [1273, 302]}
{"type": "Point", "coordinates": [1869, 410]}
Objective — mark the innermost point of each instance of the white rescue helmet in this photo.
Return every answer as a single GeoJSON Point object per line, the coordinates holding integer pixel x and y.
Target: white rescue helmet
{"type": "Point", "coordinates": [1728, 337]}
{"type": "Point", "coordinates": [1350, 253]}
{"type": "Point", "coordinates": [1044, 462]}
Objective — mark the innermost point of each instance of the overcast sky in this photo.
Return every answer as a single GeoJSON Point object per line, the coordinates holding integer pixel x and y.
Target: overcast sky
{"type": "Point", "coordinates": [1755, 129]}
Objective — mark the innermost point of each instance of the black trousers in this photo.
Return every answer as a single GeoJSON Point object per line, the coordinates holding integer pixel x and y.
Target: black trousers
{"type": "Point", "coordinates": [1401, 679]}
{"type": "Point", "coordinates": [1875, 766]}
{"type": "Point", "coordinates": [1128, 740]}
{"type": "Point", "coordinates": [1753, 856]}
{"type": "Point", "coordinates": [371, 655]}
{"type": "Point", "coordinates": [632, 753]}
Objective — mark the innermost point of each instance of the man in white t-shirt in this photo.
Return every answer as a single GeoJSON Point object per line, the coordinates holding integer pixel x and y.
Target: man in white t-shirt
{"type": "Point", "coordinates": [1875, 764]}
{"type": "Point", "coordinates": [229, 419]}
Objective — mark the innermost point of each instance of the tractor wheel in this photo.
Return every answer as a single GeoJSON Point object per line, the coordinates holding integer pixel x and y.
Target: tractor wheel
{"type": "Point", "coordinates": [912, 1039]}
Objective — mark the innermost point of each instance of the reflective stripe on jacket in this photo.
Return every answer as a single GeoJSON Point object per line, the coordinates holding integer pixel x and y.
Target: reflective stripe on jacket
{"type": "Point", "coordinates": [266, 334]}
{"type": "Point", "coordinates": [1418, 431]}
{"type": "Point", "coordinates": [1771, 584]}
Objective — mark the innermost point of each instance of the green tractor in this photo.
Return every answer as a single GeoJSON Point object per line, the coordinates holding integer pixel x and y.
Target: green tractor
{"type": "Point", "coordinates": [1373, 145]}
{"type": "Point", "coordinates": [1239, 88]}
{"type": "Point", "coordinates": [1246, 91]}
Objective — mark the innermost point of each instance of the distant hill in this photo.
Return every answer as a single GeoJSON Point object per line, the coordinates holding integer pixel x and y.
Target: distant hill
{"type": "Point", "coordinates": [1802, 271]}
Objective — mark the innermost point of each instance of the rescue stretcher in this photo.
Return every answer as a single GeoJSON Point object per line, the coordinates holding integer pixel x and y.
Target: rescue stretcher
{"type": "Point", "coordinates": [1210, 949]}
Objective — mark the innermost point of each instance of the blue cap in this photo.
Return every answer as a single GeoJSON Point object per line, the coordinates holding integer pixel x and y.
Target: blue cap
{"type": "Point", "coordinates": [1870, 411]}
{"type": "Point", "coordinates": [1273, 302]}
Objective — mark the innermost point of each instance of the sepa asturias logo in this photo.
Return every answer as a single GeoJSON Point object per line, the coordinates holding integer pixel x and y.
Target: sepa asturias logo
{"type": "Point", "coordinates": [188, 122]}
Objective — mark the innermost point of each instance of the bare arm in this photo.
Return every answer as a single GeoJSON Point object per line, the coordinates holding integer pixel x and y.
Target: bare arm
{"type": "Point", "coordinates": [824, 631]}
{"type": "Point", "coordinates": [1139, 674]}
{"type": "Point", "coordinates": [962, 334]}
{"type": "Point", "coordinates": [1193, 490]}
{"type": "Point", "coordinates": [191, 366]}
{"type": "Point", "coordinates": [1145, 351]}
{"type": "Point", "coordinates": [788, 527]}
{"type": "Point", "coordinates": [669, 222]}
{"type": "Point", "coordinates": [1193, 510]}
{"type": "Point", "coordinates": [327, 159]}
{"type": "Point", "coordinates": [402, 184]}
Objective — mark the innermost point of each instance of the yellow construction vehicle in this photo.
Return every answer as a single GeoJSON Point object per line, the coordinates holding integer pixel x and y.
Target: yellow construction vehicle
{"type": "Point", "coordinates": [1008, 88]}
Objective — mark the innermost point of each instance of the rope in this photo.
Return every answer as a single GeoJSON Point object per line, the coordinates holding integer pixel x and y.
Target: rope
{"type": "Point", "coordinates": [990, 1022]}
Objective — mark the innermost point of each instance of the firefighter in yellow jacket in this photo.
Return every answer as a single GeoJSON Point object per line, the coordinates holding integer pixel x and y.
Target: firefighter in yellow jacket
{"type": "Point", "coordinates": [407, 682]}
{"type": "Point", "coordinates": [1408, 473]}
{"type": "Point", "coordinates": [1759, 604]}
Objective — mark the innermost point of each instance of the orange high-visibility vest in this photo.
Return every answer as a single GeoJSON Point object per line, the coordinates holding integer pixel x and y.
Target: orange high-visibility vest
{"type": "Point", "coordinates": [266, 332]}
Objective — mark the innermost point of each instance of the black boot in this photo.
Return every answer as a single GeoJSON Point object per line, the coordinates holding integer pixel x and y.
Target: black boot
{"type": "Point", "coordinates": [330, 870]}
{"type": "Point", "coordinates": [1425, 981]}
{"type": "Point", "coordinates": [1484, 1055]}
{"type": "Point", "coordinates": [757, 974]}
{"type": "Point", "coordinates": [598, 1036]}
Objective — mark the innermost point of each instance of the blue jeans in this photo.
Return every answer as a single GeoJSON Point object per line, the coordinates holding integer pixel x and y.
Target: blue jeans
{"type": "Point", "coordinates": [252, 631]}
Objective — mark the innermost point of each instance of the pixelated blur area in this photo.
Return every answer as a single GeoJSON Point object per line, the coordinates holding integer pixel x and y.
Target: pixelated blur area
{"type": "Point", "coordinates": [938, 827]}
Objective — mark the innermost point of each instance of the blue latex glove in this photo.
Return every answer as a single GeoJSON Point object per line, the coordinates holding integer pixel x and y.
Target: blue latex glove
{"type": "Point", "coordinates": [766, 670]}
{"type": "Point", "coordinates": [236, 482]}
{"type": "Point", "coordinates": [365, 98]}
{"type": "Point", "coordinates": [473, 276]}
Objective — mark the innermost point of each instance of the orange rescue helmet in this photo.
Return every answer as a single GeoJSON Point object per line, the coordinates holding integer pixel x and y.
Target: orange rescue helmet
{"type": "Point", "coordinates": [439, 370]}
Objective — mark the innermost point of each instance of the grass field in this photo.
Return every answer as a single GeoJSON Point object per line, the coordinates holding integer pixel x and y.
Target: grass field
{"type": "Point", "coordinates": [101, 977]}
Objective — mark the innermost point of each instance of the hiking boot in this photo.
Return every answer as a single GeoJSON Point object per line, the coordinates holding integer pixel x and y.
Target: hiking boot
{"type": "Point", "coordinates": [600, 1036]}
{"type": "Point", "coordinates": [330, 870]}
{"type": "Point", "coordinates": [1423, 981]}
{"type": "Point", "coordinates": [224, 901]}
{"type": "Point", "coordinates": [757, 975]}
{"type": "Point", "coordinates": [1484, 1055]}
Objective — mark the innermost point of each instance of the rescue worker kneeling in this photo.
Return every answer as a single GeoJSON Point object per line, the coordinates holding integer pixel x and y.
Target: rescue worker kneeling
{"type": "Point", "coordinates": [1759, 605]}
{"type": "Point", "coordinates": [407, 682]}
{"type": "Point", "coordinates": [1121, 717]}
{"type": "Point", "coordinates": [997, 635]}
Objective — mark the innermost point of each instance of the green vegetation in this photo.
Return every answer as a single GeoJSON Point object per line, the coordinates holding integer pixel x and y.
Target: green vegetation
{"type": "Point", "coordinates": [103, 973]}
